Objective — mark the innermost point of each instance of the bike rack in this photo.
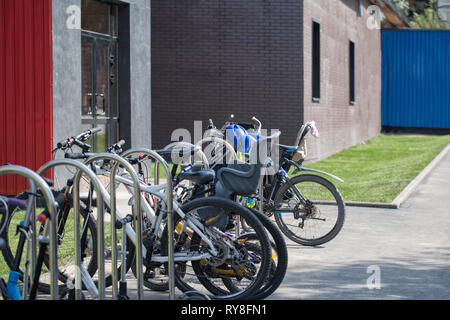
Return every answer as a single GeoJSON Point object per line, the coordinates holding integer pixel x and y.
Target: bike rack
{"type": "Point", "coordinates": [120, 161]}
{"type": "Point", "coordinates": [170, 227]}
{"type": "Point", "coordinates": [31, 212]}
{"type": "Point", "coordinates": [198, 150]}
{"type": "Point", "coordinates": [223, 142]}
{"type": "Point", "coordinates": [51, 205]}
{"type": "Point", "coordinates": [82, 168]}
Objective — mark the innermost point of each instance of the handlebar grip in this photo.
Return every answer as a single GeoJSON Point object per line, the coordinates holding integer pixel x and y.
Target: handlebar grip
{"type": "Point", "coordinates": [63, 144]}
{"type": "Point", "coordinates": [120, 223]}
{"type": "Point", "coordinates": [95, 130]}
{"type": "Point", "coordinates": [17, 203]}
{"type": "Point", "coordinates": [120, 143]}
{"type": "Point", "coordinates": [86, 134]}
{"type": "Point", "coordinates": [76, 156]}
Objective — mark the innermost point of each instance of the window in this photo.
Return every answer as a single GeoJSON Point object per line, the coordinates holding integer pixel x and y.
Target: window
{"type": "Point", "coordinates": [352, 71]}
{"type": "Point", "coordinates": [316, 62]}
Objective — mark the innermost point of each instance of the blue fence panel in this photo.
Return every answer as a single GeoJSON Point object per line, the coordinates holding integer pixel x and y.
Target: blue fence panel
{"type": "Point", "coordinates": [415, 78]}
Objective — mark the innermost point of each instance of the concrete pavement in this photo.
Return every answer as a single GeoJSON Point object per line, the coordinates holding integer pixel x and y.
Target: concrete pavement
{"type": "Point", "coordinates": [407, 250]}
{"type": "Point", "coordinates": [379, 254]}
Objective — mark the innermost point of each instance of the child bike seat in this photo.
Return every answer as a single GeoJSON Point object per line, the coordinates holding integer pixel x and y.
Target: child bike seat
{"type": "Point", "coordinates": [240, 178]}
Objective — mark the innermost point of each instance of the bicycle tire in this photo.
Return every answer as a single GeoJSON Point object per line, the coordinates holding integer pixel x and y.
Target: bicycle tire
{"type": "Point", "coordinates": [43, 287]}
{"type": "Point", "coordinates": [235, 208]}
{"type": "Point", "coordinates": [278, 269]}
{"type": "Point", "coordinates": [314, 179]}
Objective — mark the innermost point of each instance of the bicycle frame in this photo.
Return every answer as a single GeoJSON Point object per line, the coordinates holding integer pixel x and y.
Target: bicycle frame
{"type": "Point", "coordinates": [157, 219]}
{"type": "Point", "coordinates": [81, 168]}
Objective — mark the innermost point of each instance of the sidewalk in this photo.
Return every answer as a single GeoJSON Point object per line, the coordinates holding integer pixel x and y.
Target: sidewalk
{"type": "Point", "coordinates": [410, 247]}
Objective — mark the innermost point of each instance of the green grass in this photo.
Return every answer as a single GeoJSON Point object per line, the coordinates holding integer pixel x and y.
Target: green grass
{"type": "Point", "coordinates": [66, 253]}
{"type": "Point", "coordinates": [380, 169]}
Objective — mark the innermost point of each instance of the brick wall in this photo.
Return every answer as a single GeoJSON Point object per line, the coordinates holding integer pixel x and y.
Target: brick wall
{"type": "Point", "coordinates": [342, 125]}
{"type": "Point", "coordinates": [212, 58]}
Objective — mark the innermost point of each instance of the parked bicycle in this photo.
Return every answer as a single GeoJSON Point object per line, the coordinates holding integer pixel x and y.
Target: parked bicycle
{"type": "Point", "coordinates": [308, 208]}
{"type": "Point", "coordinates": [210, 243]}
{"type": "Point", "coordinates": [18, 222]}
{"type": "Point", "coordinates": [7, 206]}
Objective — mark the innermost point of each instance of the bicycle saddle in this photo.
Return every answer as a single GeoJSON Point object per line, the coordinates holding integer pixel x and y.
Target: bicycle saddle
{"type": "Point", "coordinates": [286, 148]}
{"type": "Point", "coordinates": [199, 177]}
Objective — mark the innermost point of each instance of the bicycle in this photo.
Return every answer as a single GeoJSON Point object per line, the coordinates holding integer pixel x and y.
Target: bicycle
{"type": "Point", "coordinates": [204, 184]}
{"type": "Point", "coordinates": [8, 205]}
{"type": "Point", "coordinates": [299, 203]}
{"type": "Point", "coordinates": [211, 238]}
{"type": "Point", "coordinates": [64, 200]}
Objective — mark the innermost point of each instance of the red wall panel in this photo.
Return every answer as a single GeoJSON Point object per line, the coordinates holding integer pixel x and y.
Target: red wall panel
{"type": "Point", "coordinates": [25, 87]}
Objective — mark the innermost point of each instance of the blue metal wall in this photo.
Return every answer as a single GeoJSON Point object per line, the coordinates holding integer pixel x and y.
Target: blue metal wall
{"type": "Point", "coordinates": [415, 78]}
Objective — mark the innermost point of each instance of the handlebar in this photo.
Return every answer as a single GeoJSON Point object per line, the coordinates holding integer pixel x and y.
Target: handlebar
{"type": "Point", "coordinates": [137, 159]}
{"type": "Point", "coordinates": [258, 123]}
{"type": "Point", "coordinates": [117, 148]}
{"type": "Point", "coordinates": [17, 203]}
{"type": "Point", "coordinates": [85, 135]}
{"type": "Point", "coordinates": [59, 199]}
{"type": "Point", "coordinates": [78, 140]}
{"type": "Point", "coordinates": [8, 205]}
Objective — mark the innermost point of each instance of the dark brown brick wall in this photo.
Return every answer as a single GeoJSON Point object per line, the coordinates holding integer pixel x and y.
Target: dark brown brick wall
{"type": "Point", "coordinates": [253, 58]}
{"type": "Point", "coordinates": [212, 58]}
{"type": "Point", "coordinates": [342, 125]}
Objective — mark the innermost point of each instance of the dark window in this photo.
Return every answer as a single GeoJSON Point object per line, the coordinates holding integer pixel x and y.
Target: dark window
{"type": "Point", "coordinates": [99, 17]}
{"type": "Point", "coordinates": [352, 71]}
{"type": "Point", "coordinates": [316, 62]}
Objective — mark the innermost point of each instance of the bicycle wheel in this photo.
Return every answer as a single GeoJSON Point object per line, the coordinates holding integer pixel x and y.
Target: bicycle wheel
{"type": "Point", "coordinates": [309, 210]}
{"type": "Point", "coordinates": [247, 268]}
{"type": "Point", "coordinates": [279, 262]}
{"type": "Point", "coordinates": [156, 275]}
{"type": "Point", "coordinates": [65, 248]}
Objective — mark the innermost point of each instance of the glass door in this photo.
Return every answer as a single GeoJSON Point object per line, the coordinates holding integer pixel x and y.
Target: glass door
{"type": "Point", "coordinates": [99, 105]}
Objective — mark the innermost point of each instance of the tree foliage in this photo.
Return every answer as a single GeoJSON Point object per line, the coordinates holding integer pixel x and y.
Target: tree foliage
{"type": "Point", "coordinates": [421, 13]}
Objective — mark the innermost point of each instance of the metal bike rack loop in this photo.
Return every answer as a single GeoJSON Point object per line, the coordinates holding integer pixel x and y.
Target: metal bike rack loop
{"type": "Point", "coordinates": [197, 149]}
{"type": "Point", "coordinates": [51, 205]}
{"type": "Point", "coordinates": [120, 161]}
{"type": "Point", "coordinates": [30, 220]}
{"type": "Point", "coordinates": [76, 213]}
{"type": "Point", "coordinates": [170, 227]}
{"type": "Point", "coordinates": [229, 148]}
